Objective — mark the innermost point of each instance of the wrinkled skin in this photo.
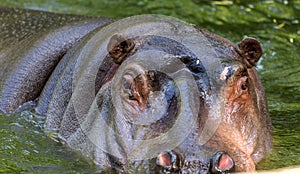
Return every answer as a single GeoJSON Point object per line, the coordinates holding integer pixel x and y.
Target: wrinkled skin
{"type": "Point", "coordinates": [43, 64]}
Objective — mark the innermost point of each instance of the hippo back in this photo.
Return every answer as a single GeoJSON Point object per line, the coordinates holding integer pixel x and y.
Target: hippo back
{"type": "Point", "coordinates": [31, 45]}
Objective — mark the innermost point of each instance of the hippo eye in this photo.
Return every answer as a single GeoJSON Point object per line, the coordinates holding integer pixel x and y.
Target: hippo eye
{"type": "Point", "coordinates": [244, 85]}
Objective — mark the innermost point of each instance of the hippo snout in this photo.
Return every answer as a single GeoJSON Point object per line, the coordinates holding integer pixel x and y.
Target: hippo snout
{"type": "Point", "coordinates": [170, 162]}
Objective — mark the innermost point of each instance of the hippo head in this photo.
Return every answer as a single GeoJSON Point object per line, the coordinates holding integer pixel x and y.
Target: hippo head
{"type": "Point", "coordinates": [169, 98]}
{"type": "Point", "coordinates": [231, 130]}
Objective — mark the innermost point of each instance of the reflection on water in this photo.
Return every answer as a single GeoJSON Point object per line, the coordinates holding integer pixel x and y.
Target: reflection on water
{"type": "Point", "coordinates": [23, 146]}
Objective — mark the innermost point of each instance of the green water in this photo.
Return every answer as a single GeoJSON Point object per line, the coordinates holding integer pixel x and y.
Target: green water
{"type": "Point", "coordinates": [25, 148]}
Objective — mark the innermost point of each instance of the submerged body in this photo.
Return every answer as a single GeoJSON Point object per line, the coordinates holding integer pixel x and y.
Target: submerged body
{"type": "Point", "coordinates": [141, 94]}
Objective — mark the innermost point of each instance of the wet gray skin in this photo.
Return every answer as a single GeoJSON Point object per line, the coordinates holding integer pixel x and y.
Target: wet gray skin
{"type": "Point", "coordinates": [147, 94]}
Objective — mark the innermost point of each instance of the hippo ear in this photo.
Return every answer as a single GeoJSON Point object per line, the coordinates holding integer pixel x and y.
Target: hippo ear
{"type": "Point", "coordinates": [119, 48]}
{"type": "Point", "coordinates": [251, 50]}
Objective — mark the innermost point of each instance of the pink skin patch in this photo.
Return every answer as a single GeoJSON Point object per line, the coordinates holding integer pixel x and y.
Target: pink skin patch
{"type": "Point", "coordinates": [223, 75]}
{"type": "Point", "coordinates": [225, 162]}
{"type": "Point", "coordinates": [164, 159]}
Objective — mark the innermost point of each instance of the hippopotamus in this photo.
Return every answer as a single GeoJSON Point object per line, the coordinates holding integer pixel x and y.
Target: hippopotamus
{"type": "Point", "coordinates": [143, 94]}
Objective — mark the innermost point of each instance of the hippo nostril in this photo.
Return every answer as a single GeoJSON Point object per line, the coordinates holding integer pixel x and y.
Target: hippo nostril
{"type": "Point", "coordinates": [164, 159]}
{"type": "Point", "coordinates": [225, 162]}
{"type": "Point", "coordinates": [168, 161]}
{"type": "Point", "coordinates": [222, 162]}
